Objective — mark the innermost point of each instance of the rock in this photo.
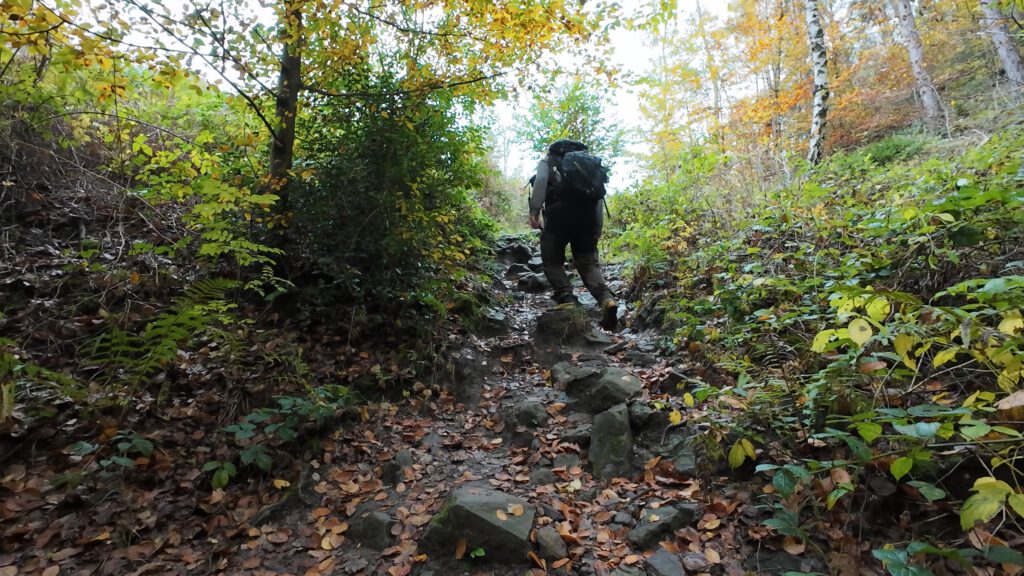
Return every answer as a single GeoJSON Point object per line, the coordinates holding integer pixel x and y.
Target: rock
{"type": "Point", "coordinates": [616, 348]}
{"type": "Point", "coordinates": [611, 444]}
{"type": "Point", "coordinates": [577, 428]}
{"type": "Point", "coordinates": [623, 518]}
{"type": "Point", "coordinates": [679, 450]}
{"type": "Point", "coordinates": [493, 323]}
{"type": "Point", "coordinates": [535, 264]}
{"type": "Point", "coordinates": [530, 413]}
{"type": "Point", "coordinates": [533, 283]}
{"type": "Point", "coordinates": [628, 571]}
{"type": "Point", "coordinates": [769, 562]}
{"type": "Point", "coordinates": [695, 562]}
{"type": "Point", "coordinates": [565, 372]}
{"type": "Point", "coordinates": [657, 524]}
{"type": "Point", "coordinates": [672, 382]}
{"type": "Point", "coordinates": [470, 512]}
{"type": "Point", "coordinates": [567, 460]}
{"type": "Point", "coordinates": [665, 563]}
{"type": "Point", "coordinates": [600, 391]}
{"type": "Point", "coordinates": [517, 269]}
{"type": "Point", "coordinates": [512, 250]}
{"type": "Point", "coordinates": [639, 413]}
{"type": "Point", "coordinates": [643, 359]}
{"type": "Point", "coordinates": [542, 477]}
{"type": "Point", "coordinates": [562, 325]}
{"type": "Point", "coordinates": [392, 472]}
{"type": "Point", "coordinates": [550, 545]}
{"type": "Point", "coordinates": [371, 528]}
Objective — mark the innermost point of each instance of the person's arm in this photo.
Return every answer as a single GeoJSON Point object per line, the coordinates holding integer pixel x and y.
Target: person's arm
{"type": "Point", "coordinates": [540, 188]}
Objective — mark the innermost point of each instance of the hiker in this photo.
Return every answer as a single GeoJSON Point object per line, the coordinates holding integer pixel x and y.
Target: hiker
{"type": "Point", "coordinates": [571, 197]}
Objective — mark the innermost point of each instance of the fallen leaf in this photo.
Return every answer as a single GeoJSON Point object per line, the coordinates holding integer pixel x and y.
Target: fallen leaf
{"type": "Point", "coordinates": [501, 515]}
{"type": "Point", "coordinates": [631, 559]}
{"type": "Point", "coordinates": [537, 560]}
{"type": "Point", "coordinates": [516, 509]}
{"type": "Point", "coordinates": [281, 484]}
{"type": "Point", "coordinates": [558, 564]}
{"type": "Point", "coordinates": [793, 546]}
{"type": "Point", "coordinates": [460, 548]}
{"type": "Point", "coordinates": [52, 570]}
{"type": "Point", "coordinates": [279, 537]}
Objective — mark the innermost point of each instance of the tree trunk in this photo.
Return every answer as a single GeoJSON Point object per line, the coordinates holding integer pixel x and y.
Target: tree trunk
{"type": "Point", "coordinates": [289, 83]}
{"type": "Point", "coordinates": [915, 50]}
{"type": "Point", "coordinates": [819, 67]}
{"type": "Point", "coordinates": [1007, 50]}
{"type": "Point", "coordinates": [713, 73]}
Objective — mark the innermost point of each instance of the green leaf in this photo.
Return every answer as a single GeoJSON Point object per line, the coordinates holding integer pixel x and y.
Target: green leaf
{"type": "Point", "coordinates": [1016, 502]}
{"type": "Point", "coordinates": [923, 430]}
{"type": "Point", "coordinates": [901, 466]}
{"type": "Point", "coordinates": [835, 495]}
{"type": "Point", "coordinates": [869, 431]}
{"type": "Point", "coordinates": [1004, 555]}
{"type": "Point", "coordinates": [984, 505]}
{"type": "Point", "coordinates": [860, 331]}
{"type": "Point", "coordinates": [211, 465]}
{"type": "Point", "coordinates": [220, 478]}
{"type": "Point", "coordinates": [930, 491]}
{"type": "Point", "coordinates": [821, 340]}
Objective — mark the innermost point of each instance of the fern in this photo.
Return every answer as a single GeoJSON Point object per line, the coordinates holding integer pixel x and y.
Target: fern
{"type": "Point", "coordinates": [135, 357]}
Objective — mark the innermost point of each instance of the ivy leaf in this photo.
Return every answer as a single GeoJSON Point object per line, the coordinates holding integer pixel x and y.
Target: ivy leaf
{"type": "Point", "coordinates": [983, 506]}
{"type": "Point", "coordinates": [901, 466]}
{"type": "Point", "coordinates": [860, 331]}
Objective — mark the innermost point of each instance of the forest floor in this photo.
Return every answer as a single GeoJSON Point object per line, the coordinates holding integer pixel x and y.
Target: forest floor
{"type": "Point", "coordinates": [550, 450]}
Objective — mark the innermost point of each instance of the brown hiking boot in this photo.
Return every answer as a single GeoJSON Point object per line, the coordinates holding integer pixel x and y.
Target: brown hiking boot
{"type": "Point", "coordinates": [610, 315]}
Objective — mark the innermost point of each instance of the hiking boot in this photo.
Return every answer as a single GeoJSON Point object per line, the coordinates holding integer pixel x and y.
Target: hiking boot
{"type": "Point", "coordinates": [610, 315]}
{"type": "Point", "coordinates": [567, 299]}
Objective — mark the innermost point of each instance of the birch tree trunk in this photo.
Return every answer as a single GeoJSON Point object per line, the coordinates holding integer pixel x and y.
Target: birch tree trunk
{"type": "Point", "coordinates": [289, 80]}
{"type": "Point", "coordinates": [1007, 50]}
{"type": "Point", "coordinates": [819, 67]}
{"type": "Point", "coordinates": [915, 50]}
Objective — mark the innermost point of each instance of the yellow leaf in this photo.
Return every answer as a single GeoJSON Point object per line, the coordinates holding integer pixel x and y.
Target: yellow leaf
{"type": "Point", "coordinates": [903, 343]}
{"type": "Point", "coordinates": [860, 331]}
{"type": "Point", "coordinates": [281, 484]}
{"type": "Point", "coordinates": [688, 400]}
{"type": "Point", "coordinates": [516, 509]}
{"type": "Point", "coordinates": [748, 448]}
{"type": "Point", "coordinates": [737, 454]}
{"type": "Point", "coordinates": [501, 515]}
{"type": "Point", "coordinates": [944, 356]}
{"type": "Point", "coordinates": [878, 309]}
{"type": "Point", "coordinates": [675, 417]}
{"type": "Point", "coordinates": [460, 548]}
{"type": "Point", "coordinates": [1012, 323]}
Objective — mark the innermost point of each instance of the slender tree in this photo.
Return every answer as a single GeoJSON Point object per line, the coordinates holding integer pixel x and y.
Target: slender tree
{"type": "Point", "coordinates": [819, 67]}
{"type": "Point", "coordinates": [289, 83]}
{"type": "Point", "coordinates": [995, 21]}
{"type": "Point", "coordinates": [915, 51]}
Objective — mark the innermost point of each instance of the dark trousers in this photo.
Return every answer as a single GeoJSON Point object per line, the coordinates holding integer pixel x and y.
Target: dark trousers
{"type": "Point", "coordinates": [578, 227]}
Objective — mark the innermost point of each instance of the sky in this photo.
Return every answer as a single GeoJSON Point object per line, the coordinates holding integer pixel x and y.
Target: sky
{"type": "Point", "coordinates": [633, 56]}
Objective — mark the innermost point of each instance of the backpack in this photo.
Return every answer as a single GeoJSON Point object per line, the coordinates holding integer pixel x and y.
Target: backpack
{"type": "Point", "coordinates": [578, 176]}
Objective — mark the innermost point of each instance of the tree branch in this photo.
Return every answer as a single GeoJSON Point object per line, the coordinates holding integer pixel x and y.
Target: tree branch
{"type": "Point", "coordinates": [431, 88]}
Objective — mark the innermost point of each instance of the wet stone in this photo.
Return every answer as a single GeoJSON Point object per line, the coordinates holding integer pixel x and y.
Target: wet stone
{"type": "Point", "coordinates": [371, 528]}
{"type": "Point", "coordinates": [533, 283]}
{"type": "Point", "coordinates": [628, 571]}
{"type": "Point", "coordinates": [550, 545]}
{"type": "Point", "coordinates": [535, 264]}
{"type": "Point", "coordinates": [577, 429]}
{"type": "Point", "coordinates": [567, 460]}
{"type": "Point", "coordinates": [639, 413]}
{"type": "Point", "coordinates": [517, 269]}
{"type": "Point", "coordinates": [624, 519]}
{"type": "Point", "coordinates": [695, 562]}
{"type": "Point", "coordinates": [611, 444]}
{"type": "Point", "coordinates": [643, 359]}
{"type": "Point", "coordinates": [657, 524]}
{"type": "Point", "coordinates": [599, 391]}
{"type": "Point", "coordinates": [665, 563]}
{"type": "Point", "coordinates": [471, 512]}
{"type": "Point", "coordinates": [542, 477]}
{"type": "Point", "coordinates": [530, 414]}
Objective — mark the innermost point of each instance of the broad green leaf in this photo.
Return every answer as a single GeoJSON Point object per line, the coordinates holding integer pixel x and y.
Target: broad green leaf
{"type": "Point", "coordinates": [982, 507]}
{"type": "Point", "coordinates": [835, 495]}
{"type": "Point", "coordinates": [930, 491]}
{"type": "Point", "coordinates": [1004, 555]}
{"type": "Point", "coordinates": [878, 309]}
{"type": "Point", "coordinates": [925, 430]}
{"type": "Point", "coordinates": [976, 431]}
{"type": "Point", "coordinates": [901, 466]}
{"type": "Point", "coordinates": [869, 431]}
{"type": "Point", "coordinates": [1016, 502]}
{"type": "Point", "coordinates": [860, 331]}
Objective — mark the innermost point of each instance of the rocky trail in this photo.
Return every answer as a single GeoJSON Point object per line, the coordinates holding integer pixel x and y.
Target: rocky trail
{"type": "Point", "coordinates": [550, 447]}
{"type": "Point", "coordinates": [552, 452]}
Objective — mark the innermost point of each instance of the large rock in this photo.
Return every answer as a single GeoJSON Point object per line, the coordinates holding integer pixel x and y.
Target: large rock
{"type": "Point", "coordinates": [577, 428]}
{"type": "Point", "coordinates": [535, 264]}
{"type": "Point", "coordinates": [562, 325]}
{"type": "Point", "coordinates": [471, 512]}
{"type": "Point", "coordinates": [494, 322]}
{"type": "Point", "coordinates": [393, 470]}
{"type": "Point", "coordinates": [611, 444]}
{"type": "Point", "coordinates": [550, 545]}
{"type": "Point", "coordinates": [512, 250]}
{"type": "Point", "coordinates": [533, 283]}
{"type": "Point", "coordinates": [517, 270]}
{"type": "Point", "coordinates": [598, 391]}
{"type": "Point", "coordinates": [657, 524]}
{"type": "Point", "coordinates": [665, 563]}
{"type": "Point", "coordinates": [371, 528]}
{"type": "Point", "coordinates": [530, 413]}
